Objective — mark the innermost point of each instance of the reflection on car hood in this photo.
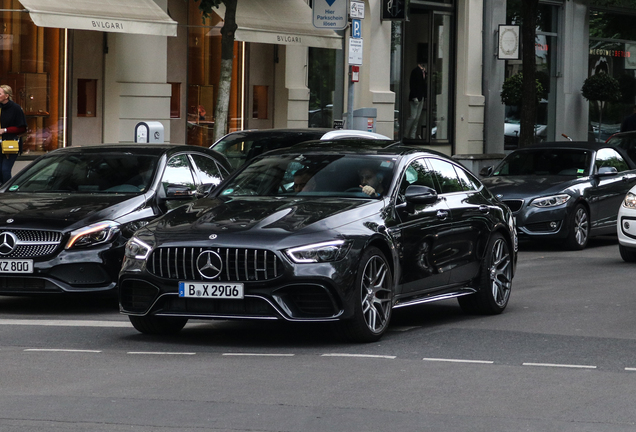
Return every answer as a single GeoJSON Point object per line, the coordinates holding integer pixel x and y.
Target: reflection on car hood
{"type": "Point", "coordinates": [61, 211]}
{"type": "Point", "coordinates": [529, 186]}
{"type": "Point", "coordinates": [261, 216]}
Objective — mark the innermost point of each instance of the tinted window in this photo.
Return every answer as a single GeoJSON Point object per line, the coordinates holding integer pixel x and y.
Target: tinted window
{"type": "Point", "coordinates": [88, 172]}
{"type": "Point", "coordinates": [467, 180]}
{"type": "Point", "coordinates": [542, 162]}
{"type": "Point", "coordinates": [610, 158]}
{"type": "Point", "coordinates": [417, 173]}
{"type": "Point", "coordinates": [207, 169]}
{"type": "Point", "coordinates": [324, 175]}
{"type": "Point", "coordinates": [446, 176]}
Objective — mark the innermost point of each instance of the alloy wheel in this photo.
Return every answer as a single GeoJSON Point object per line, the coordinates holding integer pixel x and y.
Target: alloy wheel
{"type": "Point", "coordinates": [500, 273]}
{"type": "Point", "coordinates": [376, 294]}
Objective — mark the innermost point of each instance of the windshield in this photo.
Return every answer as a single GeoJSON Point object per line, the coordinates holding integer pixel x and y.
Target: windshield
{"type": "Point", "coordinates": [549, 161]}
{"type": "Point", "coordinates": [87, 173]}
{"type": "Point", "coordinates": [325, 175]}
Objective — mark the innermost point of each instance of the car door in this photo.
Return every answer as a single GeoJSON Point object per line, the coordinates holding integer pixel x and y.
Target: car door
{"type": "Point", "coordinates": [608, 190]}
{"type": "Point", "coordinates": [420, 234]}
{"type": "Point", "coordinates": [469, 212]}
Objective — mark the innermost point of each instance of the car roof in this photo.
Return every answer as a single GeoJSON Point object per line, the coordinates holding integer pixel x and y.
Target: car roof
{"type": "Point", "coordinates": [583, 145]}
{"type": "Point", "coordinates": [138, 148]}
{"type": "Point", "coordinates": [360, 146]}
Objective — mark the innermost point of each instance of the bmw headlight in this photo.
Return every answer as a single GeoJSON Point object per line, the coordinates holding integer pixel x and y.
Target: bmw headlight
{"type": "Point", "coordinates": [92, 235]}
{"type": "Point", "coordinates": [136, 249]}
{"type": "Point", "coordinates": [550, 201]}
{"type": "Point", "coordinates": [630, 200]}
{"type": "Point", "coordinates": [320, 252]}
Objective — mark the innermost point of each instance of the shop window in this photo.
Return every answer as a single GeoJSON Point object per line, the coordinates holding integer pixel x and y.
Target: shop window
{"type": "Point", "coordinates": [175, 100]}
{"type": "Point", "coordinates": [261, 99]}
{"type": "Point", "coordinates": [86, 97]}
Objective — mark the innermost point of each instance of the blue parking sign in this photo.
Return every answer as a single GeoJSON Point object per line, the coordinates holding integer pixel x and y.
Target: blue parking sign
{"type": "Point", "coordinates": [356, 28]}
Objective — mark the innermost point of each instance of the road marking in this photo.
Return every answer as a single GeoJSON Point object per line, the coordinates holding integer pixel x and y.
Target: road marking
{"type": "Point", "coordinates": [560, 365]}
{"type": "Point", "coordinates": [458, 360]}
{"type": "Point", "coordinates": [358, 355]}
{"type": "Point", "coordinates": [258, 355]}
{"type": "Point", "coordinates": [159, 353]}
{"type": "Point", "coordinates": [66, 323]}
{"type": "Point", "coordinates": [630, 369]}
{"type": "Point", "coordinates": [61, 350]}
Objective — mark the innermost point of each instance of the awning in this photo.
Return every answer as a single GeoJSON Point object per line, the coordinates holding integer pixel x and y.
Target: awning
{"type": "Point", "coordinates": [118, 16]}
{"type": "Point", "coordinates": [283, 22]}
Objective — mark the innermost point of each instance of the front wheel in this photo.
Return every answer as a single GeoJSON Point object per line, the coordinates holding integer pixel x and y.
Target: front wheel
{"type": "Point", "coordinates": [579, 226]}
{"type": "Point", "coordinates": [628, 254]}
{"type": "Point", "coordinates": [157, 325]}
{"type": "Point", "coordinates": [495, 280]}
{"type": "Point", "coordinates": [373, 298]}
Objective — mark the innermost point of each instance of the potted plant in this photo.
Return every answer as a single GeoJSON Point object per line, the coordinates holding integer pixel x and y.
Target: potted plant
{"type": "Point", "coordinates": [601, 88]}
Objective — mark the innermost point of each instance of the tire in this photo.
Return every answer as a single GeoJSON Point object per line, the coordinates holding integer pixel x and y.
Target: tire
{"type": "Point", "coordinates": [373, 299]}
{"type": "Point", "coordinates": [495, 280]}
{"type": "Point", "coordinates": [628, 254]}
{"type": "Point", "coordinates": [157, 325]}
{"type": "Point", "coordinates": [579, 226]}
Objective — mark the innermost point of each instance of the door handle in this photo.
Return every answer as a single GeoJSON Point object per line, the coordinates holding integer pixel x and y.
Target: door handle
{"type": "Point", "coordinates": [442, 214]}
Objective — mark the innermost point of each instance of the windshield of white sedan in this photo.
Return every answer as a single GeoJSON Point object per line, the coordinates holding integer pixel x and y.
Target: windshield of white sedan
{"type": "Point", "coordinates": [88, 173]}
{"type": "Point", "coordinates": [543, 162]}
{"type": "Point", "coordinates": [315, 175]}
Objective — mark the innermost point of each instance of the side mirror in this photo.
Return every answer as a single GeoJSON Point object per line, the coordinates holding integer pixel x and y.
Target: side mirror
{"type": "Point", "coordinates": [178, 192]}
{"type": "Point", "coordinates": [420, 195]}
{"type": "Point", "coordinates": [607, 171]}
{"type": "Point", "coordinates": [486, 171]}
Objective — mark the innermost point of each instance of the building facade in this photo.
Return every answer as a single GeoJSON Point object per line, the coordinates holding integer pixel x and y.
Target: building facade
{"type": "Point", "coordinates": [86, 76]}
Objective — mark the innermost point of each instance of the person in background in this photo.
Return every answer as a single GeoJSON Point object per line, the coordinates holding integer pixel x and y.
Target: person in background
{"type": "Point", "coordinates": [629, 124]}
{"type": "Point", "coordinates": [302, 180]}
{"type": "Point", "coordinates": [12, 125]}
{"type": "Point", "coordinates": [417, 97]}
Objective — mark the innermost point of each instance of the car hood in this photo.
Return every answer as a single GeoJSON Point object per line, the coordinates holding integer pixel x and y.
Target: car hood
{"type": "Point", "coordinates": [259, 219]}
{"type": "Point", "coordinates": [63, 211]}
{"type": "Point", "coordinates": [507, 187]}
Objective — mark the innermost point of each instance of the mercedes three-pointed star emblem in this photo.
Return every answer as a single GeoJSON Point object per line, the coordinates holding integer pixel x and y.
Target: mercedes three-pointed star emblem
{"type": "Point", "coordinates": [8, 241]}
{"type": "Point", "coordinates": [209, 264]}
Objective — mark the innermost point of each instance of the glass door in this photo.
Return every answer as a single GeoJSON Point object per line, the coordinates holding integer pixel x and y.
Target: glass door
{"type": "Point", "coordinates": [426, 101]}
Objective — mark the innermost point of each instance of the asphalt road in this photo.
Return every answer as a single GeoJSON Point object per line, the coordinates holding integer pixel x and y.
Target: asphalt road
{"type": "Point", "coordinates": [560, 358]}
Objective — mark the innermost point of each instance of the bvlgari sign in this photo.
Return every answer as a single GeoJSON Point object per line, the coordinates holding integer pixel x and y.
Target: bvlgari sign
{"type": "Point", "coordinates": [330, 14]}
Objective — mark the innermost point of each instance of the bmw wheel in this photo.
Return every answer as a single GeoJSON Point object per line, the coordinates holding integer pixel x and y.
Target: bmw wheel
{"type": "Point", "coordinates": [373, 298]}
{"type": "Point", "coordinates": [157, 325]}
{"type": "Point", "coordinates": [495, 280]}
{"type": "Point", "coordinates": [579, 226]}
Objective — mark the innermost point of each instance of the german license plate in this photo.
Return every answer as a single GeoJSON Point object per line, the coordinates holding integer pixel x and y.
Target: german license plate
{"type": "Point", "coordinates": [16, 266]}
{"type": "Point", "coordinates": [211, 290]}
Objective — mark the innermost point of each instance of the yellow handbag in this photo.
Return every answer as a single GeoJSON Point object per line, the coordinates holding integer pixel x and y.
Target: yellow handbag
{"type": "Point", "coordinates": [10, 146]}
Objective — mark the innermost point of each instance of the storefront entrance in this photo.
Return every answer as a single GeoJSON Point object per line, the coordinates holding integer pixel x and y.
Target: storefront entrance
{"type": "Point", "coordinates": [426, 95]}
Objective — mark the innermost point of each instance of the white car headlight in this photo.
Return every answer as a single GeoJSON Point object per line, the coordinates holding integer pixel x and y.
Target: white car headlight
{"type": "Point", "coordinates": [320, 252]}
{"type": "Point", "coordinates": [136, 249]}
{"type": "Point", "coordinates": [550, 201]}
{"type": "Point", "coordinates": [94, 234]}
{"type": "Point", "coordinates": [630, 200]}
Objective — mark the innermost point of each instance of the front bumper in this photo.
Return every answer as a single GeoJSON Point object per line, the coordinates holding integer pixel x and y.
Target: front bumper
{"type": "Point", "coordinates": [303, 292]}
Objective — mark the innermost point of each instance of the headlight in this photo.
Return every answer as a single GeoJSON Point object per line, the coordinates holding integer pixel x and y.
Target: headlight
{"type": "Point", "coordinates": [320, 252]}
{"type": "Point", "coordinates": [550, 201]}
{"type": "Point", "coordinates": [630, 200]}
{"type": "Point", "coordinates": [136, 249]}
{"type": "Point", "coordinates": [91, 235]}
